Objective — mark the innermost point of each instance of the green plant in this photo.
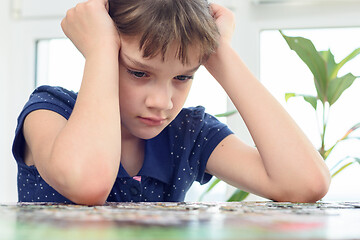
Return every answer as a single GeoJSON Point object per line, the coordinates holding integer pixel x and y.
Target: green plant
{"type": "Point", "coordinates": [329, 88]}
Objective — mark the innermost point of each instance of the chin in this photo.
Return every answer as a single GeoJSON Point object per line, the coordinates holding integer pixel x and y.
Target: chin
{"type": "Point", "coordinates": [147, 134]}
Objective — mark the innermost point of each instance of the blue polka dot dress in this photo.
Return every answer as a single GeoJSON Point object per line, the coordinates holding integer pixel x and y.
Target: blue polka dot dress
{"type": "Point", "coordinates": [173, 160]}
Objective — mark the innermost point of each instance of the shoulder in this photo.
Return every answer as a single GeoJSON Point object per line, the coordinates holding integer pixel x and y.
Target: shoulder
{"type": "Point", "coordinates": [191, 115]}
{"type": "Point", "coordinates": [56, 99]}
{"type": "Point", "coordinates": [194, 122]}
{"type": "Point", "coordinates": [52, 94]}
{"type": "Point", "coordinates": [195, 112]}
{"type": "Point", "coordinates": [197, 118]}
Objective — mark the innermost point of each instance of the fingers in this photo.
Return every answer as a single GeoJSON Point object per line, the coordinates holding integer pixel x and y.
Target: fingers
{"type": "Point", "coordinates": [80, 5]}
{"type": "Point", "coordinates": [215, 9]}
{"type": "Point", "coordinates": [107, 6]}
{"type": "Point", "coordinates": [103, 2]}
{"type": "Point", "coordinates": [64, 22]}
{"type": "Point", "coordinates": [224, 19]}
{"type": "Point", "coordinates": [218, 11]}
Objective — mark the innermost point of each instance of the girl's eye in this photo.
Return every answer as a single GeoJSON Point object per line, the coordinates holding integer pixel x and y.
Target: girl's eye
{"type": "Point", "coordinates": [137, 74]}
{"type": "Point", "coordinates": [183, 77]}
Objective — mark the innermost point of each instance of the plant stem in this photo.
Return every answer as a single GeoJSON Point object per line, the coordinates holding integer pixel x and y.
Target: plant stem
{"type": "Point", "coordinates": [325, 117]}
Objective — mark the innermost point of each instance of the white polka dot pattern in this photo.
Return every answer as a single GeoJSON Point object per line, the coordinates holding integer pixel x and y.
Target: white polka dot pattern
{"type": "Point", "coordinates": [174, 159]}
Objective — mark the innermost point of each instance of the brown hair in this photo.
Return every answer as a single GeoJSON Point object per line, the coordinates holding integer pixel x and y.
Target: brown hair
{"type": "Point", "coordinates": [163, 22]}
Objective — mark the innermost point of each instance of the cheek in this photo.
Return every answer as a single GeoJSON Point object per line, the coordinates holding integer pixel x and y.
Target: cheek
{"type": "Point", "coordinates": [184, 90]}
{"type": "Point", "coordinates": [181, 94]}
{"type": "Point", "coordinates": [126, 92]}
{"type": "Point", "coordinates": [124, 82]}
{"type": "Point", "coordinates": [127, 95]}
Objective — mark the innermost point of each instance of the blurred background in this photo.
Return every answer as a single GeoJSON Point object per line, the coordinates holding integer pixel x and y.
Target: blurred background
{"type": "Point", "coordinates": [34, 51]}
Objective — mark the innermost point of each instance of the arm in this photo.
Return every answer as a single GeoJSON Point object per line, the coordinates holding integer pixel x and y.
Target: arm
{"type": "Point", "coordinates": [284, 166]}
{"type": "Point", "coordinates": [80, 157]}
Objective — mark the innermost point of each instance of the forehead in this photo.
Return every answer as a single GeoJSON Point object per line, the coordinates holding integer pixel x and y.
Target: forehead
{"type": "Point", "coordinates": [130, 47]}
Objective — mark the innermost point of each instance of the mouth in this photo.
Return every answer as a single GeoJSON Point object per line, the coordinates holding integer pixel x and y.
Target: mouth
{"type": "Point", "coordinates": [152, 121]}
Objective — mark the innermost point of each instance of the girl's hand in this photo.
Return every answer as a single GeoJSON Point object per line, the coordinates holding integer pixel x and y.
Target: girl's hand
{"type": "Point", "coordinates": [89, 26]}
{"type": "Point", "coordinates": [225, 21]}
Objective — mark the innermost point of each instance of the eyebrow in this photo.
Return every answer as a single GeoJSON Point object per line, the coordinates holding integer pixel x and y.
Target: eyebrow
{"type": "Point", "coordinates": [150, 68]}
{"type": "Point", "coordinates": [139, 64]}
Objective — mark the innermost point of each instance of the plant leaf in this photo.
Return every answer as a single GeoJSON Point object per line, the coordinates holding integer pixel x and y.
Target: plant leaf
{"type": "Point", "coordinates": [337, 86]}
{"type": "Point", "coordinates": [308, 98]}
{"type": "Point", "coordinates": [340, 169]}
{"type": "Point", "coordinates": [238, 196]}
{"type": "Point", "coordinates": [327, 153]}
{"type": "Point", "coordinates": [306, 50]}
{"type": "Point", "coordinates": [351, 138]}
{"type": "Point", "coordinates": [212, 185]}
{"type": "Point", "coordinates": [226, 114]}
{"type": "Point", "coordinates": [345, 137]}
{"type": "Point", "coordinates": [353, 128]}
{"type": "Point", "coordinates": [311, 99]}
{"type": "Point", "coordinates": [356, 160]}
{"type": "Point", "coordinates": [356, 126]}
{"type": "Point", "coordinates": [289, 95]}
{"type": "Point", "coordinates": [342, 62]}
{"type": "Point", "coordinates": [330, 62]}
{"type": "Point", "coordinates": [339, 162]}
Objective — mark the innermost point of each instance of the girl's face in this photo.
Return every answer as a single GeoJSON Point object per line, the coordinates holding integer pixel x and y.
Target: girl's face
{"type": "Point", "coordinates": [152, 91]}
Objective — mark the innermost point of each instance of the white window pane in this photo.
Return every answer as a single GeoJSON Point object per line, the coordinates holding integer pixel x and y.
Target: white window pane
{"type": "Point", "coordinates": [207, 92]}
{"type": "Point", "coordinates": [59, 63]}
{"type": "Point", "coordinates": [283, 71]}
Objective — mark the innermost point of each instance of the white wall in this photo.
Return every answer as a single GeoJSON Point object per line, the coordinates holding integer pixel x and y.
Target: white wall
{"type": "Point", "coordinates": [17, 59]}
{"type": "Point", "coordinates": [6, 183]}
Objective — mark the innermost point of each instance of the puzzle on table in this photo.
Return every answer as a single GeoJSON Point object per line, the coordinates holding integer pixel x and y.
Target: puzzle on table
{"type": "Point", "coordinates": [214, 220]}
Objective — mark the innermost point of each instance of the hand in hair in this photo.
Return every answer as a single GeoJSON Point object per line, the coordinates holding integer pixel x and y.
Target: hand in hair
{"type": "Point", "coordinates": [89, 26]}
{"type": "Point", "coordinates": [225, 21]}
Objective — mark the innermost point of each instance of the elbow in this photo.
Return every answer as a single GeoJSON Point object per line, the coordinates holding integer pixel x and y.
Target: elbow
{"type": "Point", "coordinates": [321, 187]}
{"type": "Point", "coordinates": [308, 191]}
{"type": "Point", "coordinates": [316, 187]}
{"type": "Point", "coordinates": [85, 185]}
{"type": "Point", "coordinates": [311, 186]}
{"type": "Point", "coordinates": [85, 175]}
{"type": "Point", "coordinates": [92, 189]}
{"type": "Point", "coordinates": [313, 193]}
{"type": "Point", "coordinates": [91, 194]}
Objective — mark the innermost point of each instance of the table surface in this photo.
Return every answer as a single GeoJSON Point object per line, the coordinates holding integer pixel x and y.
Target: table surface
{"type": "Point", "coordinates": [244, 220]}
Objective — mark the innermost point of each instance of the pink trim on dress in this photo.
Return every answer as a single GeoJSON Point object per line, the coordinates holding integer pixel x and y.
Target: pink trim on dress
{"type": "Point", "coordinates": [137, 178]}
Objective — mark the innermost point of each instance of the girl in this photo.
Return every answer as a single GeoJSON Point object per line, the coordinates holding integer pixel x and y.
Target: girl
{"type": "Point", "coordinates": [125, 135]}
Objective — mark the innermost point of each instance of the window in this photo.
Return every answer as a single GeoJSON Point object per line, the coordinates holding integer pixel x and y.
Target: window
{"type": "Point", "coordinates": [281, 71]}
{"type": "Point", "coordinates": [58, 63]}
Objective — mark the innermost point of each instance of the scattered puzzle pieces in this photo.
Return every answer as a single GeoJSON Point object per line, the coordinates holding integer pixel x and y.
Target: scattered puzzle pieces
{"type": "Point", "coordinates": [184, 220]}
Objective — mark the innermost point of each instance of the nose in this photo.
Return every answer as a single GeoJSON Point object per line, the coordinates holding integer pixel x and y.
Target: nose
{"type": "Point", "coordinates": [159, 97]}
